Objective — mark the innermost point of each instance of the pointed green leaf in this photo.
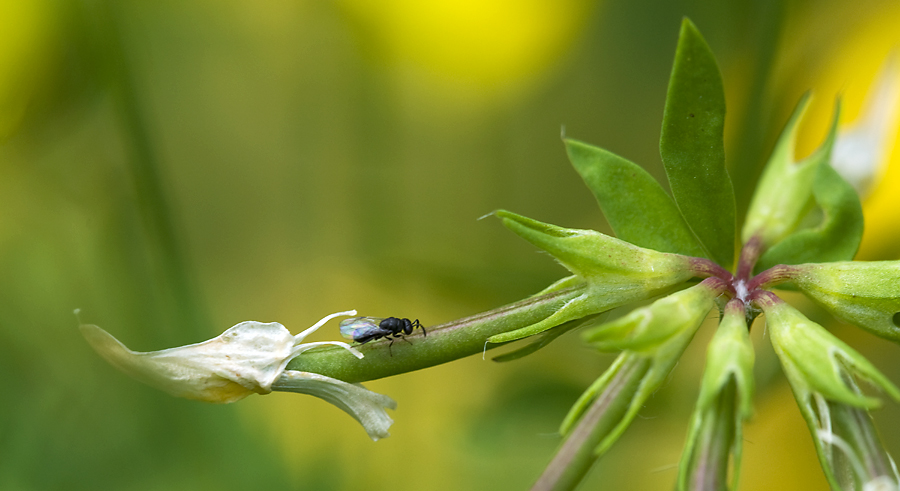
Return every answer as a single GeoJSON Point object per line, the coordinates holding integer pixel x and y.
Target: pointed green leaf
{"type": "Point", "coordinates": [601, 259]}
{"type": "Point", "coordinates": [693, 149]}
{"type": "Point", "coordinates": [542, 340]}
{"type": "Point", "coordinates": [635, 205]}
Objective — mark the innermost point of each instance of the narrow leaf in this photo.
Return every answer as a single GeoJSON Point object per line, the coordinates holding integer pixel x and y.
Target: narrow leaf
{"type": "Point", "coordinates": [635, 205]}
{"type": "Point", "coordinates": [693, 149]}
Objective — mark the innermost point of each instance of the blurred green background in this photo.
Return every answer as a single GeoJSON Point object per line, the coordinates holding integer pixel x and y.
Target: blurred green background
{"type": "Point", "coordinates": [175, 167]}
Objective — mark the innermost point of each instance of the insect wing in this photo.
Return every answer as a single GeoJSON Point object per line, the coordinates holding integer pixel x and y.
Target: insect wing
{"type": "Point", "coordinates": [358, 327]}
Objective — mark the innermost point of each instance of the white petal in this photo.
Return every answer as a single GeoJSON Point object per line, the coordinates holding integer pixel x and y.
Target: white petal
{"type": "Point", "coordinates": [365, 406]}
{"type": "Point", "coordinates": [244, 359]}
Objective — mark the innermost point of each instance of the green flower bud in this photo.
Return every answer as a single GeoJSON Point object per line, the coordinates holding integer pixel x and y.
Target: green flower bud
{"type": "Point", "coordinates": [645, 328]}
{"type": "Point", "coordinates": [615, 271]}
{"type": "Point", "coordinates": [815, 361]}
{"type": "Point", "coordinates": [866, 294]}
{"type": "Point", "coordinates": [784, 193]}
{"type": "Point", "coordinates": [612, 402]}
{"type": "Point", "coordinates": [724, 402]}
{"type": "Point", "coordinates": [822, 372]}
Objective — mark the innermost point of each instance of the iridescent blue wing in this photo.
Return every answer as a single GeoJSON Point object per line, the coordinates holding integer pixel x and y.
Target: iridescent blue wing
{"type": "Point", "coordinates": [359, 327]}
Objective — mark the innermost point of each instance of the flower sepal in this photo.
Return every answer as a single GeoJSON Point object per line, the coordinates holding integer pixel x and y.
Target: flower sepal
{"type": "Point", "coordinates": [645, 328]}
{"type": "Point", "coordinates": [865, 294]}
{"type": "Point", "coordinates": [815, 361]}
{"type": "Point", "coordinates": [612, 272]}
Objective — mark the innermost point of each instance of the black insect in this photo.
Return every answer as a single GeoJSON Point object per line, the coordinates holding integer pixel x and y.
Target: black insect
{"type": "Point", "coordinates": [365, 329]}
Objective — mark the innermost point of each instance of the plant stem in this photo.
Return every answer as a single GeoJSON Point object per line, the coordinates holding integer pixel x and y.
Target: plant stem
{"type": "Point", "coordinates": [705, 267]}
{"type": "Point", "coordinates": [749, 255]}
{"type": "Point", "coordinates": [443, 343]}
{"type": "Point", "coordinates": [577, 454]}
{"type": "Point", "coordinates": [772, 276]}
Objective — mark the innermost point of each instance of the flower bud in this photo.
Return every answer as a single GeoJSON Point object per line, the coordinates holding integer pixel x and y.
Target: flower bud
{"type": "Point", "coordinates": [645, 328]}
{"type": "Point", "coordinates": [822, 372]}
{"type": "Point", "coordinates": [724, 402]}
{"type": "Point", "coordinates": [615, 271]}
{"type": "Point", "coordinates": [815, 361]}
{"type": "Point", "coordinates": [613, 401]}
{"type": "Point", "coordinates": [865, 294]}
{"type": "Point", "coordinates": [784, 193]}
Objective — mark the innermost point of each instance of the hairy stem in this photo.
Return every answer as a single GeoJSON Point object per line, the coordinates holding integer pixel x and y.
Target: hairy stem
{"type": "Point", "coordinates": [704, 267]}
{"type": "Point", "coordinates": [749, 255]}
{"type": "Point", "coordinates": [772, 276]}
{"type": "Point", "coordinates": [441, 344]}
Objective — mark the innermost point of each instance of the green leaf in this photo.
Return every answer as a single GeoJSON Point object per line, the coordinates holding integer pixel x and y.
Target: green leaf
{"type": "Point", "coordinates": [837, 238]}
{"type": "Point", "coordinates": [635, 205]}
{"type": "Point", "coordinates": [601, 259]}
{"type": "Point", "coordinates": [542, 340]}
{"type": "Point", "coordinates": [693, 149]}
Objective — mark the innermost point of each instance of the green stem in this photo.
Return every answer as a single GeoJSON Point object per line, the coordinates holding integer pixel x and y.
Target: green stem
{"type": "Point", "coordinates": [578, 453]}
{"type": "Point", "coordinates": [443, 343]}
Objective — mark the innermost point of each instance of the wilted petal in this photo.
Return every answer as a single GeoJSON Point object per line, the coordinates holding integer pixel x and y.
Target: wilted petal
{"type": "Point", "coordinates": [246, 358]}
{"type": "Point", "coordinates": [365, 406]}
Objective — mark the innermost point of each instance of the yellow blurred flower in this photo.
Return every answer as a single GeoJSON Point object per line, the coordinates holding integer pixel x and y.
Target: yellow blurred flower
{"type": "Point", "coordinates": [490, 46]}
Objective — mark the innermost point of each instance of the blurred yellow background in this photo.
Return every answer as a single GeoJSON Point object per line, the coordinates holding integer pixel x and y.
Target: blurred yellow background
{"type": "Point", "coordinates": [175, 167]}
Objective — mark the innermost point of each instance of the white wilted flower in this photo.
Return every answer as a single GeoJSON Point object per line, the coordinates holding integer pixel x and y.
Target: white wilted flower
{"type": "Point", "coordinates": [248, 357]}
